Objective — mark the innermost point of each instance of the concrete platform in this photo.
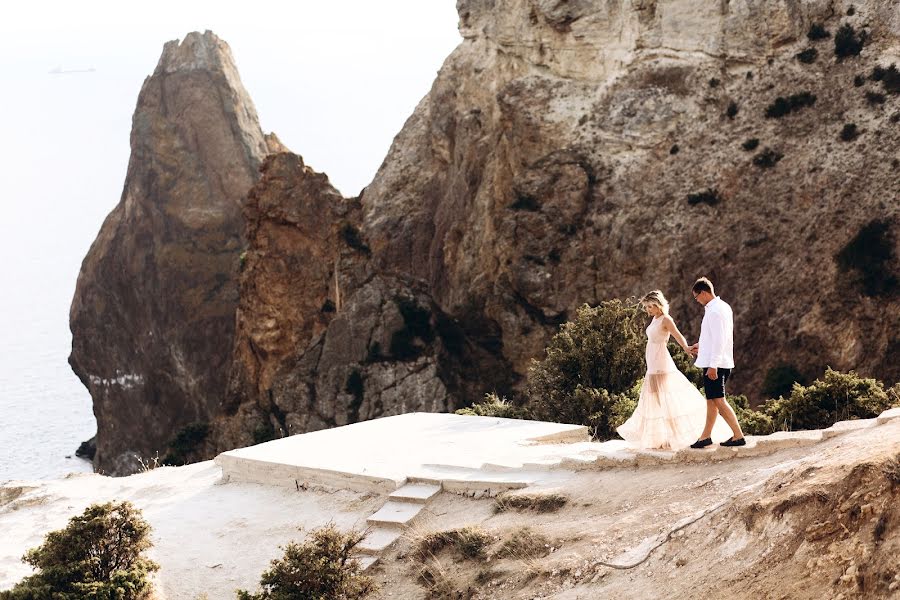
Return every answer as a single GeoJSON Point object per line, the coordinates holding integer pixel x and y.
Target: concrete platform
{"type": "Point", "coordinates": [460, 452]}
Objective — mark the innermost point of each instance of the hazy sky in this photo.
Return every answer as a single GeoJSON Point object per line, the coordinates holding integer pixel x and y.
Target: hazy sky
{"type": "Point", "coordinates": [335, 79]}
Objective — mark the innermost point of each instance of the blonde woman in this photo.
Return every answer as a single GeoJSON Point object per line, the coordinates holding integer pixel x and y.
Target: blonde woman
{"type": "Point", "coordinates": [670, 410]}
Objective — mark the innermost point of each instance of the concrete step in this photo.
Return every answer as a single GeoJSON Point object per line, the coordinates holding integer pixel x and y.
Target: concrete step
{"type": "Point", "coordinates": [377, 540]}
{"type": "Point", "coordinates": [395, 514]}
{"type": "Point", "coordinates": [366, 561]}
{"type": "Point", "coordinates": [417, 493]}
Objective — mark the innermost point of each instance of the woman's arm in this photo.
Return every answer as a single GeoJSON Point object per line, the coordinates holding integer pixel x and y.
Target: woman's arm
{"type": "Point", "coordinates": [669, 325]}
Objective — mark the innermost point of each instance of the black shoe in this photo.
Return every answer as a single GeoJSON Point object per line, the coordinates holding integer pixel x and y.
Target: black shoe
{"type": "Point", "coordinates": [702, 443]}
{"type": "Point", "coordinates": [732, 442]}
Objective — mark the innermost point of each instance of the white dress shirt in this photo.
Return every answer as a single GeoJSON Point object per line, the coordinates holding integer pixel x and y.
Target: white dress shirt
{"type": "Point", "coordinates": [716, 336]}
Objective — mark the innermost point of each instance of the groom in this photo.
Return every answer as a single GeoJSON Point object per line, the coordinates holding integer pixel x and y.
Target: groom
{"type": "Point", "coordinates": [715, 355]}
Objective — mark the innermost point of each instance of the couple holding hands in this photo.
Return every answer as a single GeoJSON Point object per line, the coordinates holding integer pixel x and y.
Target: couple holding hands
{"type": "Point", "coordinates": [670, 411]}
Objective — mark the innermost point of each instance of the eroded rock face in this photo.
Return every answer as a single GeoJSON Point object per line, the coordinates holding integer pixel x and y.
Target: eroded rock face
{"type": "Point", "coordinates": [552, 162]}
{"type": "Point", "coordinates": [153, 314]}
{"type": "Point", "coordinates": [322, 340]}
{"type": "Point", "coordinates": [569, 151]}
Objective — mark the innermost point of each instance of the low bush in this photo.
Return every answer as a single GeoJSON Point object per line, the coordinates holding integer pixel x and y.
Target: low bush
{"type": "Point", "coordinates": [594, 357]}
{"type": "Point", "coordinates": [540, 503]}
{"type": "Point", "coordinates": [469, 543]}
{"type": "Point", "coordinates": [849, 132]}
{"type": "Point", "coordinates": [859, 81]}
{"type": "Point", "coordinates": [753, 422]}
{"type": "Point", "coordinates": [835, 397]}
{"type": "Point", "coordinates": [732, 110]}
{"type": "Point", "coordinates": [767, 158]}
{"type": "Point", "coordinates": [868, 259]}
{"type": "Point", "coordinates": [889, 78]}
{"type": "Point", "coordinates": [750, 145]}
{"type": "Point", "coordinates": [808, 56]}
{"type": "Point", "coordinates": [321, 567]}
{"type": "Point", "coordinates": [98, 556]}
{"type": "Point", "coordinates": [784, 106]}
{"type": "Point", "coordinates": [526, 203]}
{"type": "Point", "coordinates": [847, 42]}
{"type": "Point", "coordinates": [525, 544]}
{"type": "Point", "coordinates": [875, 98]}
{"type": "Point", "coordinates": [494, 406]}
{"type": "Point", "coordinates": [708, 196]}
{"type": "Point", "coordinates": [780, 380]}
{"type": "Point", "coordinates": [817, 32]}
{"type": "Point", "coordinates": [350, 234]}
{"type": "Point", "coordinates": [891, 470]}
{"type": "Point", "coordinates": [188, 440]}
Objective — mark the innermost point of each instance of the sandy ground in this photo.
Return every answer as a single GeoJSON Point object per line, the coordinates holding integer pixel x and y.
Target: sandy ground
{"type": "Point", "coordinates": [208, 538]}
{"type": "Point", "coordinates": [743, 527]}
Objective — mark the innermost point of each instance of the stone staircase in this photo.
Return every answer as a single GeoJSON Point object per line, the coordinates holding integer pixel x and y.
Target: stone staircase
{"type": "Point", "coordinates": [388, 524]}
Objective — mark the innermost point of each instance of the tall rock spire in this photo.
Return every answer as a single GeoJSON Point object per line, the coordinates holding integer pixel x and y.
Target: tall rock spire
{"type": "Point", "coordinates": [153, 314]}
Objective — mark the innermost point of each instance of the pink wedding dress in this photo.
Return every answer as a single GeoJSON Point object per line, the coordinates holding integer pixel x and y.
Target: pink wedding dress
{"type": "Point", "coordinates": [671, 412]}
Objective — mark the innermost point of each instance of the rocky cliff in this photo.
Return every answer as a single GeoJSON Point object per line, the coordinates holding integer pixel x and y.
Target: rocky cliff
{"type": "Point", "coordinates": [574, 151]}
{"type": "Point", "coordinates": [571, 152]}
{"type": "Point", "coordinates": [153, 314]}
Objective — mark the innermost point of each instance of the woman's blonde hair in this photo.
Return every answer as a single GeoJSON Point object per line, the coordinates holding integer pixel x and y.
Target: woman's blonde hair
{"type": "Point", "coordinates": [656, 298]}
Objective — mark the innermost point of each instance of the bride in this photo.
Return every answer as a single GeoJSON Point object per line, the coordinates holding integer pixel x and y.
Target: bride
{"type": "Point", "coordinates": [670, 410]}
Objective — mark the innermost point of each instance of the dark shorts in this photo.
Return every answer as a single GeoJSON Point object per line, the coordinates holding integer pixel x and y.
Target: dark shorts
{"type": "Point", "coordinates": [715, 389]}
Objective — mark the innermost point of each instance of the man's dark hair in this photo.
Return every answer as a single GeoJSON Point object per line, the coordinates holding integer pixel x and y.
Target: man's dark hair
{"type": "Point", "coordinates": [703, 285]}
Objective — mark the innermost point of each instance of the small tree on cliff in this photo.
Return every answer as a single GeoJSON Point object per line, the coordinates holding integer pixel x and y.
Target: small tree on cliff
{"type": "Point", "coordinates": [98, 556]}
{"type": "Point", "coordinates": [591, 366]}
{"type": "Point", "coordinates": [321, 567]}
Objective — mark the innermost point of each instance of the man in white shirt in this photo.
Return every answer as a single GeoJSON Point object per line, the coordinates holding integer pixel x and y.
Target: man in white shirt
{"type": "Point", "coordinates": [715, 355]}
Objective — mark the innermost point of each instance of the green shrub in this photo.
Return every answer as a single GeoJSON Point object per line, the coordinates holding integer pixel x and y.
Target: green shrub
{"type": "Point", "coordinates": [321, 567]}
{"type": "Point", "coordinates": [847, 42]}
{"type": "Point", "coordinates": [890, 79]}
{"type": "Point", "coordinates": [808, 56]}
{"type": "Point", "coordinates": [893, 394]}
{"type": "Point", "coordinates": [875, 98]}
{"type": "Point", "coordinates": [599, 354]}
{"type": "Point", "coordinates": [98, 556]}
{"type": "Point", "coordinates": [188, 439]}
{"type": "Point", "coordinates": [836, 397]}
{"type": "Point", "coordinates": [351, 236]}
{"type": "Point", "coordinates": [753, 422]}
{"type": "Point", "coordinates": [709, 196]}
{"type": "Point", "coordinates": [817, 32]}
{"type": "Point", "coordinates": [621, 406]}
{"type": "Point", "coordinates": [732, 110]}
{"type": "Point", "coordinates": [526, 203]}
{"type": "Point", "coordinates": [750, 144]}
{"type": "Point", "coordinates": [780, 380]}
{"type": "Point", "coordinates": [767, 158]}
{"type": "Point", "coordinates": [849, 133]}
{"type": "Point", "coordinates": [784, 106]}
{"type": "Point", "coordinates": [494, 406]}
{"type": "Point", "coordinates": [408, 342]}
{"type": "Point", "coordinates": [869, 257]}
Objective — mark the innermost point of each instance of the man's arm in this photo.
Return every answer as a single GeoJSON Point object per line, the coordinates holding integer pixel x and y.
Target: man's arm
{"type": "Point", "coordinates": [716, 323]}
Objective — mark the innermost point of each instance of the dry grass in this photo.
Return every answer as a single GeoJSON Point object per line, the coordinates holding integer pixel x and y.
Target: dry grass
{"type": "Point", "coordinates": [891, 470]}
{"type": "Point", "coordinates": [525, 544]}
{"type": "Point", "coordinates": [541, 503]}
{"type": "Point", "coordinates": [467, 543]}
